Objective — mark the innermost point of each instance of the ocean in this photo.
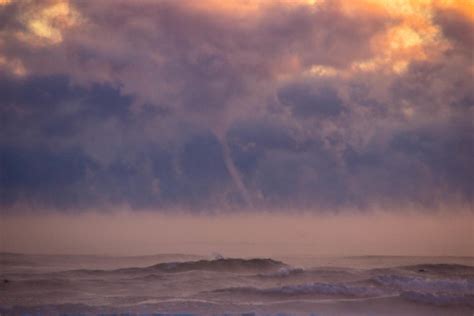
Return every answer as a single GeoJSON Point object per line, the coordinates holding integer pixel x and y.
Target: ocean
{"type": "Point", "coordinates": [178, 284]}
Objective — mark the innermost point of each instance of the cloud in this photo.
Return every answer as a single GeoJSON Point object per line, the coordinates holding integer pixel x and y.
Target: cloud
{"type": "Point", "coordinates": [43, 178]}
{"type": "Point", "coordinates": [157, 50]}
{"type": "Point", "coordinates": [425, 165]}
{"type": "Point", "coordinates": [311, 101]}
{"type": "Point", "coordinates": [161, 104]}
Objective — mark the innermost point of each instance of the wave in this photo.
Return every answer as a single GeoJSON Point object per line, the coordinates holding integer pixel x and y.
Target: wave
{"type": "Point", "coordinates": [288, 272]}
{"type": "Point", "coordinates": [148, 278]}
{"type": "Point", "coordinates": [326, 289]}
{"type": "Point", "coordinates": [256, 265]}
{"type": "Point", "coordinates": [222, 265]}
{"type": "Point", "coordinates": [440, 299]}
{"type": "Point", "coordinates": [283, 272]}
{"type": "Point", "coordinates": [441, 268]}
{"type": "Point", "coordinates": [36, 283]}
{"type": "Point", "coordinates": [419, 284]}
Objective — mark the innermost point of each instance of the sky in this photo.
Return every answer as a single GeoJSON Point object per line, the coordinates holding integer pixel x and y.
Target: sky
{"type": "Point", "coordinates": [264, 108]}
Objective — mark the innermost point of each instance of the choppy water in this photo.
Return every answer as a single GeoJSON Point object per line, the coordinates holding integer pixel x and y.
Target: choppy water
{"type": "Point", "coordinates": [89, 285]}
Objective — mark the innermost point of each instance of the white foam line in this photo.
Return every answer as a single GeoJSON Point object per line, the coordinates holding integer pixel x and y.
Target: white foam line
{"type": "Point", "coordinates": [171, 300]}
{"type": "Point", "coordinates": [329, 300]}
{"type": "Point", "coordinates": [157, 301]}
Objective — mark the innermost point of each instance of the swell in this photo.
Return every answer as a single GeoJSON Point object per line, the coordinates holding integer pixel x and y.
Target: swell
{"type": "Point", "coordinates": [442, 269]}
{"type": "Point", "coordinates": [308, 289]}
{"type": "Point", "coordinates": [289, 272]}
{"type": "Point", "coordinates": [323, 291]}
{"type": "Point", "coordinates": [221, 264]}
{"type": "Point", "coordinates": [256, 265]}
{"type": "Point", "coordinates": [439, 299]}
{"type": "Point", "coordinates": [421, 284]}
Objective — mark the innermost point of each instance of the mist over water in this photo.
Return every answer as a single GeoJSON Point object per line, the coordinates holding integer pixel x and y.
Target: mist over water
{"type": "Point", "coordinates": [241, 234]}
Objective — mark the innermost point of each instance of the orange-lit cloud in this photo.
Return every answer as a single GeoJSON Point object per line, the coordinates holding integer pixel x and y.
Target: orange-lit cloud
{"type": "Point", "coordinates": [415, 35]}
{"type": "Point", "coordinates": [46, 24]}
{"type": "Point", "coordinates": [412, 36]}
{"type": "Point", "coordinates": [15, 66]}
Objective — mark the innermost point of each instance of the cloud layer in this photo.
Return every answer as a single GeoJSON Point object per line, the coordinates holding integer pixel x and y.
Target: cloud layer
{"type": "Point", "coordinates": [275, 105]}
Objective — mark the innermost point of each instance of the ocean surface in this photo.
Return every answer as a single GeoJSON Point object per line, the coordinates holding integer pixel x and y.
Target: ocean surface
{"type": "Point", "coordinates": [175, 284]}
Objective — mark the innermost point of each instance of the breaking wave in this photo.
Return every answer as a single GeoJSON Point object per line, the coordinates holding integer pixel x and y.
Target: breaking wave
{"type": "Point", "coordinates": [288, 272]}
{"type": "Point", "coordinates": [285, 271]}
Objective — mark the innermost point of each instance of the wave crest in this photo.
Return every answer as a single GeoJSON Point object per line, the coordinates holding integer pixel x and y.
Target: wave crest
{"type": "Point", "coordinates": [222, 265]}
{"type": "Point", "coordinates": [283, 272]}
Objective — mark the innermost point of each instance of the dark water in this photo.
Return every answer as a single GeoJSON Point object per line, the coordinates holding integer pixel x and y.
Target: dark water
{"type": "Point", "coordinates": [92, 285]}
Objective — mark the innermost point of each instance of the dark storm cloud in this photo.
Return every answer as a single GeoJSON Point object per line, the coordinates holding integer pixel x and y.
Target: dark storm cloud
{"type": "Point", "coordinates": [457, 28]}
{"type": "Point", "coordinates": [425, 165]}
{"type": "Point", "coordinates": [311, 101]}
{"type": "Point", "coordinates": [46, 108]}
{"type": "Point", "coordinates": [42, 162]}
{"type": "Point", "coordinates": [164, 105]}
{"type": "Point", "coordinates": [42, 177]}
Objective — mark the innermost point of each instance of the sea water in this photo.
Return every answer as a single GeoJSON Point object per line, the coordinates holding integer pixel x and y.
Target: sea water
{"type": "Point", "coordinates": [178, 284]}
